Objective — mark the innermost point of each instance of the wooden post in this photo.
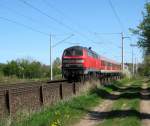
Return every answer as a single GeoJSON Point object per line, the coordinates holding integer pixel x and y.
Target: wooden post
{"type": "Point", "coordinates": [60, 91]}
{"type": "Point", "coordinates": [8, 101]}
{"type": "Point", "coordinates": [41, 95]}
{"type": "Point", "coordinates": [74, 88]}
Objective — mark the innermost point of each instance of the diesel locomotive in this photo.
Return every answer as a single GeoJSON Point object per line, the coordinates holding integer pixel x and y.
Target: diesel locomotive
{"type": "Point", "coordinates": [78, 61]}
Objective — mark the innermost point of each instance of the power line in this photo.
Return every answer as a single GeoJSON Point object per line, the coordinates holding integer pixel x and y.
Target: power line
{"type": "Point", "coordinates": [25, 16]}
{"type": "Point", "coordinates": [23, 25]}
{"type": "Point", "coordinates": [62, 41]}
{"type": "Point", "coordinates": [45, 14]}
{"type": "Point", "coordinates": [61, 13]}
{"type": "Point", "coordinates": [116, 15]}
{"type": "Point", "coordinates": [115, 33]}
{"type": "Point", "coordinates": [52, 18]}
{"type": "Point", "coordinates": [29, 18]}
{"type": "Point", "coordinates": [28, 27]}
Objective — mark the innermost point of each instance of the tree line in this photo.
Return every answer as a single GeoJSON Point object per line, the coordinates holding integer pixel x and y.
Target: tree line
{"type": "Point", "coordinates": [29, 69]}
{"type": "Point", "coordinates": [143, 33]}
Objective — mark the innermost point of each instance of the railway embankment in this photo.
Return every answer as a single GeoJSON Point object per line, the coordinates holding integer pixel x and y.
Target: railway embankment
{"type": "Point", "coordinates": [63, 112]}
{"type": "Point", "coordinates": [106, 105]}
{"type": "Point", "coordinates": [73, 108]}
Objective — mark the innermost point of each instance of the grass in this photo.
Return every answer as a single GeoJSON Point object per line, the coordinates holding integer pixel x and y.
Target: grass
{"type": "Point", "coordinates": [131, 118]}
{"type": "Point", "coordinates": [63, 113]}
{"type": "Point", "coordinates": [124, 112]}
{"type": "Point", "coordinates": [134, 82]}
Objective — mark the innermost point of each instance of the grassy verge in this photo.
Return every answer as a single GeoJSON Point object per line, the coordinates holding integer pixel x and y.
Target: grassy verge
{"type": "Point", "coordinates": [124, 113]}
{"type": "Point", "coordinates": [134, 82]}
{"type": "Point", "coordinates": [63, 113]}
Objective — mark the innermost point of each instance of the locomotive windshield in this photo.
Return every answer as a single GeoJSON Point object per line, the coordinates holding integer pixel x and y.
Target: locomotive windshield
{"type": "Point", "coordinates": [73, 52]}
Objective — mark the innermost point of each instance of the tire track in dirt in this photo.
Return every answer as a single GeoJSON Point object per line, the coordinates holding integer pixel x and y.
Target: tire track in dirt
{"type": "Point", "coordinates": [145, 105]}
{"type": "Point", "coordinates": [89, 119]}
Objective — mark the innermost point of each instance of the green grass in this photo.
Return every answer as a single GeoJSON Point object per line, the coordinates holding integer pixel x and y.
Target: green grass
{"type": "Point", "coordinates": [124, 112]}
{"type": "Point", "coordinates": [126, 82]}
{"type": "Point", "coordinates": [131, 119]}
{"type": "Point", "coordinates": [63, 113]}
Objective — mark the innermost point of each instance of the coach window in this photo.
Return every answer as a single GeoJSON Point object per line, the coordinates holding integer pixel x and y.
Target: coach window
{"type": "Point", "coordinates": [102, 62]}
{"type": "Point", "coordinates": [94, 55]}
{"type": "Point", "coordinates": [105, 63]}
{"type": "Point", "coordinates": [90, 53]}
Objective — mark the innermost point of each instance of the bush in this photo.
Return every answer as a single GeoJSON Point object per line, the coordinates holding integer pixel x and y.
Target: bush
{"type": "Point", "coordinates": [24, 68]}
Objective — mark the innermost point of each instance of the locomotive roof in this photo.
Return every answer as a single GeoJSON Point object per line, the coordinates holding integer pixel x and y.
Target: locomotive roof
{"type": "Point", "coordinates": [102, 57]}
{"type": "Point", "coordinates": [80, 47]}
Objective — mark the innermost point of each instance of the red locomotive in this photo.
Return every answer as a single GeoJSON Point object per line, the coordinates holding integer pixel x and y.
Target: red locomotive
{"type": "Point", "coordinates": [78, 61]}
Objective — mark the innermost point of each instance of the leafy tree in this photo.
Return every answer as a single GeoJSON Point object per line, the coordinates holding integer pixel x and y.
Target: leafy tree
{"type": "Point", "coordinates": [143, 32]}
{"type": "Point", "coordinates": [11, 68]}
{"type": "Point", "coordinates": [25, 68]}
{"type": "Point", "coordinates": [57, 66]}
{"type": "Point", "coordinates": [1, 69]}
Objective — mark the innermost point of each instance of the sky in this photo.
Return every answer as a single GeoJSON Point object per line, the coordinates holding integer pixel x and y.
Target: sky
{"type": "Point", "coordinates": [25, 27]}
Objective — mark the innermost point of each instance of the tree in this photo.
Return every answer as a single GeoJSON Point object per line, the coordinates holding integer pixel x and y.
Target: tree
{"type": "Point", "coordinates": [11, 68]}
{"type": "Point", "coordinates": [25, 68]}
{"type": "Point", "coordinates": [57, 66]}
{"type": "Point", "coordinates": [143, 31]}
{"type": "Point", "coordinates": [1, 69]}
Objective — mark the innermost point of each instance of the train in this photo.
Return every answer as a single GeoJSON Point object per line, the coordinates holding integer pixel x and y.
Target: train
{"type": "Point", "coordinates": [80, 62]}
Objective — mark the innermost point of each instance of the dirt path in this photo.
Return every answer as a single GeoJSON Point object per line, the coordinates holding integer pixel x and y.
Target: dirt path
{"type": "Point", "coordinates": [145, 106]}
{"type": "Point", "coordinates": [88, 120]}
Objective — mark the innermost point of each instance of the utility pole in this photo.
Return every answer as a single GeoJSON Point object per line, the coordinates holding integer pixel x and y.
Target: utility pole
{"type": "Point", "coordinates": [51, 47]}
{"type": "Point", "coordinates": [122, 49]}
{"type": "Point", "coordinates": [136, 65]}
{"type": "Point", "coordinates": [132, 60]}
{"type": "Point", "coordinates": [133, 67]}
{"type": "Point", "coordinates": [51, 65]}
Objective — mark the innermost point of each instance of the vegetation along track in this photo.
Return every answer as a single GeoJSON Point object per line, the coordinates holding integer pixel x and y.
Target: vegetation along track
{"type": "Point", "coordinates": [129, 105]}
{"type": "Point", "coordinates": [122, 103]}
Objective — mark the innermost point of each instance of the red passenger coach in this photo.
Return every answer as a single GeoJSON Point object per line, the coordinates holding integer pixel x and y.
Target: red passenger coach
{"type": "Point", "coordinates": [78, 61]}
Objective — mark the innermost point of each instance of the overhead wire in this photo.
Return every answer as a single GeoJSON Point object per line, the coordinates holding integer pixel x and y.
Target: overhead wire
{"type": "Point", "coordinates": [59, 42]}
{"type": "Point", "coordinates": [53, 19]}
{"type": "Point", "coordinates": [29, 18]}
{"type": "Point", "coordinates": [23, 25]}
{"type": "Point", "coordinates": [116, 15]}
{"type": "Point", "coordinates": [50, 5]}
{"type": "Point", "coordinates": [25, 16]}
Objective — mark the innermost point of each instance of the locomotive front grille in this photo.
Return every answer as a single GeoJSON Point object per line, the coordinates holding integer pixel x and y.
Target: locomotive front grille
{"type": "Point", "coordinates": [73, 65]}
{"type": "Point", "coordinates": [73, 61]}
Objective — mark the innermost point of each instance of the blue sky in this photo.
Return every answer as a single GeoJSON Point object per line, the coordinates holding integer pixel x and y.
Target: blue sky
{"type": "Point", "coordinates": [83, 18]}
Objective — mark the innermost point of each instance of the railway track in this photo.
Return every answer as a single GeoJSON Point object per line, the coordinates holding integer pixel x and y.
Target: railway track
{"type": "Point", "coordinates": [29, 84]}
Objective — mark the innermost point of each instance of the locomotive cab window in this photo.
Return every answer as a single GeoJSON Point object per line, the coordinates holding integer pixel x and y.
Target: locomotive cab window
{"type": "Point", "coordinates": [73, 52]}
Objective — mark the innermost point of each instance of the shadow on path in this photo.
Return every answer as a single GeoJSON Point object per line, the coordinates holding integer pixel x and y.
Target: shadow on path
{"type": "Point", "coordinates": [126, 93]}
{"type": "Point", "coordinates": [133, 92]}
{"type": "Point", "coordinates": [95, 115]}
{"type": "Point", "coordinates": [135, 88]}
